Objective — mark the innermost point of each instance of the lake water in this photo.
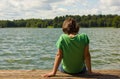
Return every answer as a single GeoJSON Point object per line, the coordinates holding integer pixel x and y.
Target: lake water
{"type": "Point", "coordinates": [34, 48]}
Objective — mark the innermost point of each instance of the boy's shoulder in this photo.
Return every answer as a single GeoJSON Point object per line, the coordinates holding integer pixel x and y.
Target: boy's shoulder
{"type": "Point", "coordinates": [63, 35]}
{"type": "Point", "coordinates": [79, 35]}
{"type": "Point", "coordinates": [82, 34]}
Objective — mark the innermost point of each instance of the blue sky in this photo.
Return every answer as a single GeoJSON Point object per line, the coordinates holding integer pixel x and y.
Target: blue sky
{"type": "Point", "coordinates": [46, 9]}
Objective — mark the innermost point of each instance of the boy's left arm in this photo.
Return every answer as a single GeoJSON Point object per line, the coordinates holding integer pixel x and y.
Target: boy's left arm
{"type": "Point", "coordinates": [56, 64]}
{"type": "Point", "coordinates": [88, 59]}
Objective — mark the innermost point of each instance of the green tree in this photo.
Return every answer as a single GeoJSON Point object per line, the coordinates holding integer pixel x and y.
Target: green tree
{"type": "Point", "coordinates": [116, 22]}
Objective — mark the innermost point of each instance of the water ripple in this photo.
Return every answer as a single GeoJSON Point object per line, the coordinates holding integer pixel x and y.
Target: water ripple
{"type": "Point", "coordinates": [23, 48]}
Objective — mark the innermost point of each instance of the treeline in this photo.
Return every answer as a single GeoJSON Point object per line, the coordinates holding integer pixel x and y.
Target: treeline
{"type": "Point", "coordinates": [83, 21]}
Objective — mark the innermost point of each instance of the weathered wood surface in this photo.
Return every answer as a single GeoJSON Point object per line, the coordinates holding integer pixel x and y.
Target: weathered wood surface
{"type": "Point", "coordinates": [36, 74]}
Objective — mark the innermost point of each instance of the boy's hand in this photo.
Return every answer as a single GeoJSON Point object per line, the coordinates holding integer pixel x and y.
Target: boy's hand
{"type": "Point", "coordinates": [48, 74]}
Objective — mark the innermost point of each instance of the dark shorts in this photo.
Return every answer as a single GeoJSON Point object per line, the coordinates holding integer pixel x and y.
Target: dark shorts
{"type": "Point", "coordinates": [62, 70]}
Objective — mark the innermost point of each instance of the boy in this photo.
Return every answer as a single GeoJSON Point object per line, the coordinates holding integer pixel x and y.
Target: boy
{"type": "Point", "coordinates": [73, 55]}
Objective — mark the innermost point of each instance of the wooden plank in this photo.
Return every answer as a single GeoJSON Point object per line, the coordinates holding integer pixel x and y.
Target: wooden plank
{"type": "Point", "coordinates": [36, 74]}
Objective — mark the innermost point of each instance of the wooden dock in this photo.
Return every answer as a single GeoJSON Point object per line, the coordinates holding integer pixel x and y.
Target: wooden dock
{"type": "Point", "coordinates": [36, 74]}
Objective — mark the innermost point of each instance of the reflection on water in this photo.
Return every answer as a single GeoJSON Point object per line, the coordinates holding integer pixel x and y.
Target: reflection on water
{"type": "Point", "coordinates": [22, 48]}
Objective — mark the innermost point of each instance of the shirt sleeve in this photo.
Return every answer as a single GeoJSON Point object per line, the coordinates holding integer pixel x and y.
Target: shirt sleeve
{"type": "Point", "coordinates": [86, 39]}
{"type": "Point", "coordinates": [59, 43]}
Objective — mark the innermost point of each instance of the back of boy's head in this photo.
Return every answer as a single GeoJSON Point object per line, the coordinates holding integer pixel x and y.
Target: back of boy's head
{"type": "Point", "coordinates": [70, 27]}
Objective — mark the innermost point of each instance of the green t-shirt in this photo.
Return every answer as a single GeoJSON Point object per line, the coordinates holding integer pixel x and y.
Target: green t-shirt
{"type": "Point", "coordinates": [73, 51]}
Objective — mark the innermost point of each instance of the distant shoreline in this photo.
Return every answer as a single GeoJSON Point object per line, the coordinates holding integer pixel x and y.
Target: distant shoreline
{"type": "Point", "coordinates": [82, 21]}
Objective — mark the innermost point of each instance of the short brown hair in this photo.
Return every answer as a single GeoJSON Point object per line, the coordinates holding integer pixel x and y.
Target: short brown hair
{"type": "Point", "coordinates": [69, 26]}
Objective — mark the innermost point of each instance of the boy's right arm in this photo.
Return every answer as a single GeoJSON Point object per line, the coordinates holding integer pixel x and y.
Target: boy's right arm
{"type": "Point", "coordinates": [56, 64]}
{"type": "Point", "coordinates": [87, 59]}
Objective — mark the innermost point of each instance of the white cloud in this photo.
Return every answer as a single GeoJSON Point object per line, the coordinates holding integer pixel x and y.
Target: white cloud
{"type": "Point", "coordinates": [94, 11]}
{"type": "Point", "coordinates": [110, 6]}
{"type": "Point", "coordinates": [17, 9]}
{"type": "Point", "coordinates": [30, 4]}
{"type": "Point", "coordinates": [111, 2]}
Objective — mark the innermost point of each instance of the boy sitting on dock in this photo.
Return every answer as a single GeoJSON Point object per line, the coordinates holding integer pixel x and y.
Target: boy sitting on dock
{"type": "Point", "coordinates": [73, 55]}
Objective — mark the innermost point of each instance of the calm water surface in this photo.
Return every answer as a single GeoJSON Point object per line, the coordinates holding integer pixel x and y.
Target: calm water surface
{"type": "Point", "coordinates": [30, 48]}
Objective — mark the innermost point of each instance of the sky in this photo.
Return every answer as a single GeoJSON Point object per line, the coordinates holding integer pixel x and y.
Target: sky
{"type": "Point", "coordinates": [49, 9]}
